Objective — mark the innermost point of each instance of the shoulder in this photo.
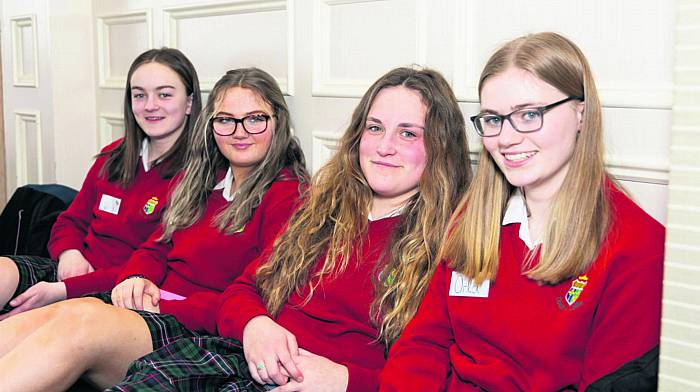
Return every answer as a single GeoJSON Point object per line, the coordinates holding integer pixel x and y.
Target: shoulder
{"type": "Point", "coordinates": [111, 146]}
{"type": "Point", "coordinates": [629, 219]}
{"type": "Point", "coordinates": [633, 234]}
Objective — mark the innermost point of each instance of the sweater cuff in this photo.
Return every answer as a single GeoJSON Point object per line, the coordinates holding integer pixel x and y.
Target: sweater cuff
{"type": "Point", "coordinates": [232, 326]}
{"type": "Point", "coordinates": [362, 379]}
{"type": "Point", "coordinates": [94, 282]}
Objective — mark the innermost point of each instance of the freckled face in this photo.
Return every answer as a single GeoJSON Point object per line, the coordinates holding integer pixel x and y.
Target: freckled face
{"type": "Point", "coordinates": [159, 101]}
{"type": "Point", "coordinates": [392, 149]}
{"type": "Point", "coordinates": [536, 161]}
{"type": "Point", "coordinates": [243, 150]}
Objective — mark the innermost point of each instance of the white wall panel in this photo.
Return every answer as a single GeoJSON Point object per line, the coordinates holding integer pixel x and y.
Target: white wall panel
{"type": "Point", "coordinates": [24, 54]}
{"type": "Point", "coordinates": [356, 41]}
{"type": "Point", "coordinates": [265, 25]}
{"type": "Point", "coordinates": [120, 38]}
{"type": "Point", "coordinates": [111, 128]}
{"type": "Point", "coordinates": [325, 144]}
{"type": "Point", "coordinates": [28, 147]}
{"type": "Point", "coordinates": [629, 45]}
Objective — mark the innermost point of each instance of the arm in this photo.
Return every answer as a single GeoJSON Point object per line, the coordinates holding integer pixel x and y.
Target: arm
{"type": "Point", "coordinates": [626, 327]}
{"type": "Point", "coordinates": [420, 360]}
{"type": "Point", "coordinates": [149, 260]}
{"type": "Point", "coordinates": [94, 282]}
{"type": "Point", "coordinates": [72, 225]}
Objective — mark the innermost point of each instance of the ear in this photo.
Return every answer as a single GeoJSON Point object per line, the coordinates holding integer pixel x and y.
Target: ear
{"type": "Point", "coordinates": [188, 110]}
{"type": "Point", "coordinates": [580, 110]}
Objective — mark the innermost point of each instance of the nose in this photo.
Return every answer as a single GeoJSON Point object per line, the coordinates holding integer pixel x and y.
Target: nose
{"type": "Point", "coordinates": [387, 144]}
{"type": "Point", "coordinates": [151, 103]}
{"type": "Point", "coordinates": [509, 136]}
{"type": "Point", "coordinates": [239, 132]}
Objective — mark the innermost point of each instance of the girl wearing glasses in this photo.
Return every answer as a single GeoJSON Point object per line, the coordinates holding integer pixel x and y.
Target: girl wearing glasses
{"type": "Point", "coordinates": [123, 195]}
{"type": "Point", "coordinates": [552, 275]}
{"type": "Point", "coordinates": [239, 187]}
{"type": "Point", "coordinates": [317, 311]}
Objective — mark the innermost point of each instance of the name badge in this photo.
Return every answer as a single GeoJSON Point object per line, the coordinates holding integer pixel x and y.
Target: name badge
{"type": "Point", "coordinates": [461, 286]}
{"type": "Point", "coordinates": [110, 204]}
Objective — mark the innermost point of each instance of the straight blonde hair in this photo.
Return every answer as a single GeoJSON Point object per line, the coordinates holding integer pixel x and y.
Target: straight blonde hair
{"type": "Point", "coordinates": [334, 215]}
{"type": "Point", "coordinates": [580, 212]}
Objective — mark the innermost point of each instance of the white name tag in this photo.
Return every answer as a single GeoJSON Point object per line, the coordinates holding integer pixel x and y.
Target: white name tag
{"type": "Point", "coordinates": [461, 286]}
{"type": "Point", "coordinates": [110, 204]}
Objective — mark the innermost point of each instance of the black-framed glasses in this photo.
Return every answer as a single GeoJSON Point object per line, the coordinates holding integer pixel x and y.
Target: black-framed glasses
{"type": "Point", "coordinates": [522, 120]}
{"type": "Point", "coordinates": [252, 124]}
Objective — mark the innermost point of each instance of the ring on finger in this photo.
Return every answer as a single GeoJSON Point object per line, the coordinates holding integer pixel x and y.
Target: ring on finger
{"type": "Point", "coordinates": [260, 366]}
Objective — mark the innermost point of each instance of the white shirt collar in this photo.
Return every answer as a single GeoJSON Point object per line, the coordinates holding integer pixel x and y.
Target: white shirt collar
{"type": "Point", "coordinates": [395, 212]}
{"type": "Point", "coordinates": [516, 212]}
{"type": "Point", "coordinates": [144, 155]}
{"type": "Point", "coordinates": [226, 185]}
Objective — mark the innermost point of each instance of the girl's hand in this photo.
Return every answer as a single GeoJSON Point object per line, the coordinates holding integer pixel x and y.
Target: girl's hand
{"type": "Point", "coordinates": [132, 292]}
{"type": "Point", "coordinates": [271, 352]}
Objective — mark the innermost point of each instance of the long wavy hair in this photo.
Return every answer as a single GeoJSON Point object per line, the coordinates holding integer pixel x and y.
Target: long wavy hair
{"type": "Point", "coordinates": [204, 160]}
{"type": "Point", "coordinates": [334, 215]}
{"type": "Point", "coordinates": [579, 214]}
{"type": "Point", "coordinates": [122, 161]}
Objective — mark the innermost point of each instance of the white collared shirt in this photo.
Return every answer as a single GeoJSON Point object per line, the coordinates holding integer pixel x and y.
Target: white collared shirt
{"type": "Point", "coordinates": [516, 212]}
{"type": "Point", "coordinates": [226, 185]}
{"type": "Point", "coordinates": [144, 155]}
{"type": "Point", "coordinates": [395, 212]}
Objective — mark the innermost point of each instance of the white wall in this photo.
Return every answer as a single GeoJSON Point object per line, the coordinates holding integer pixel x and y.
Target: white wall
{"type": "Point", "coordinates": [49, 93]}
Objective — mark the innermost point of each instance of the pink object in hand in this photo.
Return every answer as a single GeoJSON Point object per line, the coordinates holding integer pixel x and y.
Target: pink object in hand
{"type": "Point", "coordinates": [167, 295]}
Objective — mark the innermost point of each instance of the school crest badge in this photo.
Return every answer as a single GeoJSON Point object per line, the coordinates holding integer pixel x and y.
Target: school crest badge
{"type": "Point", "coordinates": [576, 288]}
{"type": "Point", "coordinates": [150, 205]}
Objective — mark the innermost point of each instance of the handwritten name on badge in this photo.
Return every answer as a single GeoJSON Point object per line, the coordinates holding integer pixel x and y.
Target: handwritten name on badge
{"type": "Point", "coordinates": [110, 204]}
{"type": "Point", "coordinates": [461, 286]}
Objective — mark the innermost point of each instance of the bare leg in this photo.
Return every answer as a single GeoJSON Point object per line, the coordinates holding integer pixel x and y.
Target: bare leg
{"type": "Point", "coordinates": [16, 328]}
{"type": "Point", "coordinates": [9, 279]}
{"type": "Point", "coordinates": [84, 337]}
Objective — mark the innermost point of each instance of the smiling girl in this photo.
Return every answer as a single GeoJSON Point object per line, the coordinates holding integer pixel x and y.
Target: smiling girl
{"type": "Point", "coordinates": [552, 275]}
{"type": "Point", "coordinates": [318, 310]}
{"type": "Point", "coordinates": [124, 194]}
{"type": "Point", "coordinates": [241, 182]}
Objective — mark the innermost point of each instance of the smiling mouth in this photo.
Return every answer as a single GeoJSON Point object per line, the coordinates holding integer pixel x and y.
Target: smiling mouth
{"type": "Point", "coordinates": [521, 156]}
{"type": "Point", "coordinates": [153, 118]}
{"type": "Point", "coordinates": [384, 164]}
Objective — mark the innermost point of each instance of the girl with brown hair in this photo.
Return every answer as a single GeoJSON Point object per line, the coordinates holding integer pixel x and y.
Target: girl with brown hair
{"type": "Point", "coordinates": [319, 309]}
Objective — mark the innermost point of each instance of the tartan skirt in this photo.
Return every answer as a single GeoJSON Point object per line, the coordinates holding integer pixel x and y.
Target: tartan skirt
{"type": "Point", "coordinates": [164, 328]}
{"type": "Point", "coordinates": [32, 270]}
{"type": "Point", "coordinates": [203, 363]}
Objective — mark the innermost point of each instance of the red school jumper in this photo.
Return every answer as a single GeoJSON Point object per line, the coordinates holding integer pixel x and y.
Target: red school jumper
{"type": "Point", "coordinates": [335, 323]}
{"type": "Point", "coordinates": [526, 336]}
{"type": "Point", "coordinates": [200, 261]}
{"type": "Point", "coordinates": [106, 223]}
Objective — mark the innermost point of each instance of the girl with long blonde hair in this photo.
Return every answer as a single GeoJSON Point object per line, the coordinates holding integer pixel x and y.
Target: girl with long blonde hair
{"type": "Point", "coordinates": [319, 310]}
{"type": "Point", "coordinates": [552, 275]}
{"type": "Point", "coordinates": [242, 180]}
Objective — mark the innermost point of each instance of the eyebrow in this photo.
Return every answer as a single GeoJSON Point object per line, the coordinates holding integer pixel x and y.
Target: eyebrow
{"type": "Point", "coordinates": [516, 107]}
{"type": "Point", "coordinates": [403, 124]}
{"type": "Point", "coordinates": [222, 113]}
{"type": "Point", "coordinates": [157, 88]}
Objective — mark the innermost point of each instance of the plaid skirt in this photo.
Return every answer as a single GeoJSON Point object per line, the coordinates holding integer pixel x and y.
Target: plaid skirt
{"type": "Point", "coordinates": [204, 363]}
{"type": "Point", "coordinates": [164, 328]}
{"type": "Point", "coordinates": [32, 270]}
